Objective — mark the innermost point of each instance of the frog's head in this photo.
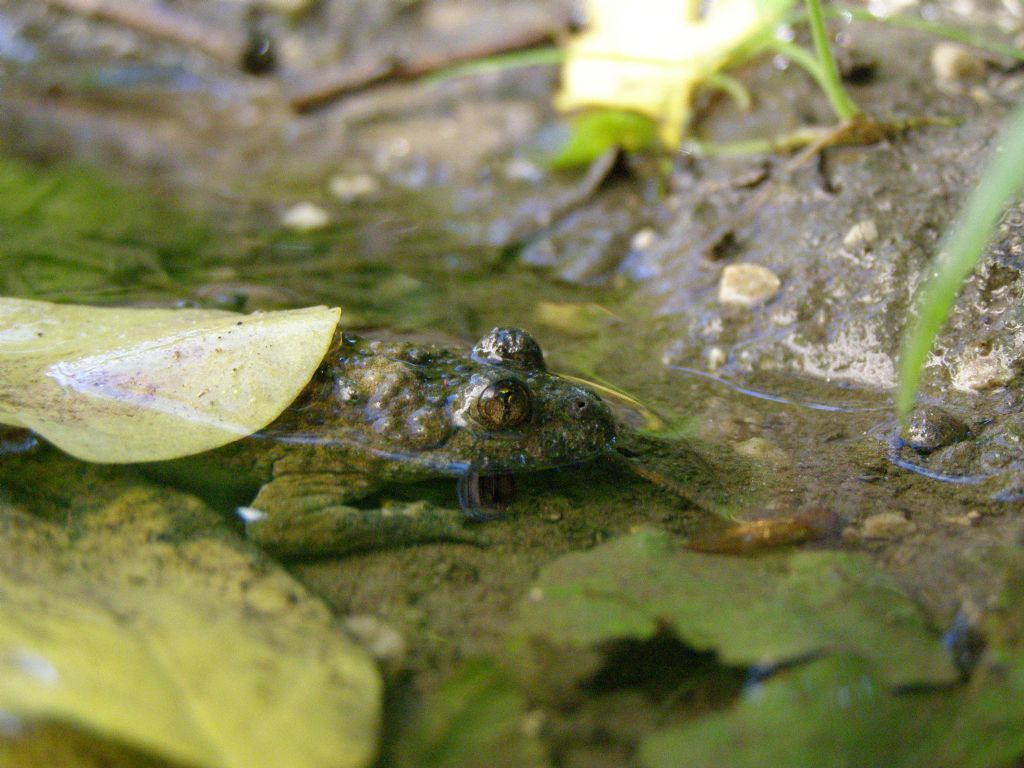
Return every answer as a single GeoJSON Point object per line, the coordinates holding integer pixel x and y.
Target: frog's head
{"type": "Point", "coordinates": [511, 415]}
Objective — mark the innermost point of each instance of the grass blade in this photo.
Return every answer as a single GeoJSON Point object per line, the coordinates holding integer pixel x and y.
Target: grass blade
{"type": "Point", "coordinates": [960, 251]}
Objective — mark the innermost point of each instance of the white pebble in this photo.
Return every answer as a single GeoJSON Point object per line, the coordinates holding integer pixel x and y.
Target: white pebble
{"type": "Point", "coordinates": [305, 217]}
{"type": "Point", "coordinates": [863, 233]}
{"type": "Point", "coordinates": [747, 285]}
{"type": "Point", "coordinates": [952, 62]}
{"type": "Point", "coordinates": [382, 640]}
{"type": "Point", "coordinates": [643, 239]}
{"type": "Point", "coordinates": [353, 186]}
{"type": "Point", "coordinates": [715, 358]}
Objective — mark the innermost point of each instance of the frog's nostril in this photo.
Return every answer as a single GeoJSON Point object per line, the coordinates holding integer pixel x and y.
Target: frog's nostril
{"type": "Point", "coordinates": [580, 404]}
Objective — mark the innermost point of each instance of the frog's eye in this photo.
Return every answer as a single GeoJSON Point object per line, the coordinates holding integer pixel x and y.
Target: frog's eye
{"type": "Point", "coordinates": [504, 404]}
{"type": "Point", "coordinates": [510, 346]}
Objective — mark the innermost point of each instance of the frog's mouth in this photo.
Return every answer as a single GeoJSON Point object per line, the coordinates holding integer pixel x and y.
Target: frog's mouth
{"type": "Point", "coordinates": [485, 497]}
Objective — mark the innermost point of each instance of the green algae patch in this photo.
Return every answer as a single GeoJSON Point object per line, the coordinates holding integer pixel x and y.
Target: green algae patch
{"type": "Point", "coordinates": [477, 717]}
{"type": "Point", "coordinates": [835, 712]}
{"type": "Point", "coordinates": [144, 624]}
{"type": "Point", "coordinates": [68, 232]}
{"type": "Point", "coordinates": [130, 385]}
{"type": "Point", "coordinates": [766, 611]}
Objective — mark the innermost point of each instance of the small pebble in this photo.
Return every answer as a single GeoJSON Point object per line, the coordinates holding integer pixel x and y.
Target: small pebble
{"type": "Point", "coordinates": [887, 525]}
{"type": "Point", "coordinates": [930, 427]}
{"type": "Point", "coordinates": [348, 187]}
{"type": "Point", "coordinates": [760, 449]}
{"type": "Point", "coordinates": [643, 239]}
{"type": "Point", "coordinates": [863, 234]}
{"type": "Point", "coordinates": [715, 358]}
{"type": "Point", "coordinates": [964, 521]}
{"type": "Point", "coordinates": [952, 62]}
{"type": "Point", "coordinates": [521, 169]}
{"type": "Point", "coordinates": [535, 595]}
{"type": "Point", "coordinates": [305, 217]}
{"type": "Point", "coordinates": [747, 285]}
{"type": "Point", "coordinates": [532, 723]}
{"type": "Point", "coordinates": [382, 640]}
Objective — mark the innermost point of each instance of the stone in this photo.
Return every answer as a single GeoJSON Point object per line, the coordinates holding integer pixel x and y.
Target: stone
{"type": "Point", "coordinates": [930, 427]}
{"type": "Point", "coordinates": [747, 285]}
{"type": "Point", "coordinates": [348, 187]}
{"type": "Point", "coordinates": [305, 217]}
{"type": "Point", "coordinates": [887, 525]}
{"type": "Point", "coordinates": [952, 62]}
{"type": "Point", "coordinates": [863, 234]}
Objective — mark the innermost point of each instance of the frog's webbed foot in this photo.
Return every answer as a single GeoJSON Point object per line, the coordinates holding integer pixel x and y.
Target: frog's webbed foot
{"type": "Point", "coordinates": [306, 516]}
{"type": "Point", "coordinates": [485, 497]}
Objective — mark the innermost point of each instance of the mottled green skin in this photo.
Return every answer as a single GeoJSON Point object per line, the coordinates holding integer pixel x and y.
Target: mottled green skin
{"type": "Point", "coordinates": [383, 412]}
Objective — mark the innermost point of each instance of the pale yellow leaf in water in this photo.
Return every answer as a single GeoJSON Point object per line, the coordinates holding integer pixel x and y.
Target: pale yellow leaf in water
{"type": "Point", "coordinates": [649, 56]}
{"type": "Point", "coordinates": [153, 629]}
{"type": "Point", "coordinates": [130, 385]}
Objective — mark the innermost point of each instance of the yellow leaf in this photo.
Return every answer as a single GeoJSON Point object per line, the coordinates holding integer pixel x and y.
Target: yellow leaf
{"type": "Point", "coordinates": [145, 630]}
{"type": "Point", "coordinates": [130, 385]}
{"type": "Point", "coordinates": [649, 56]}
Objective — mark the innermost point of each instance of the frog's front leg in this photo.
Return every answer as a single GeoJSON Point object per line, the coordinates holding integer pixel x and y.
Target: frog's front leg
{"type": "Point", "coordinates": [305, 515]}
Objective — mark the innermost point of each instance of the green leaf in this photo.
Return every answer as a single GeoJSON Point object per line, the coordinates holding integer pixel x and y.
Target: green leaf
{"type": "Point", "coordinates": [959, 253]}
{"type": "Point", "coordinates": [594, 132]}
{"type": "Point", "coordinates": [153, 628]}
{"type": "Point", "coordinates": [477, 717]}
{"type": "Point", "coordinates": [131, 385]}
{"type": "Point", "coordinates": [835, 713]}
{"type": "Point", "coordinates": [767, 611]}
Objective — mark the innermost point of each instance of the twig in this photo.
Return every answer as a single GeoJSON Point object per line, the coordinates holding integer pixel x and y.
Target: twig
{"type": "Point", "coordinates": [160, 22]}
{"type": "Point", "coordinates": [343, 80]}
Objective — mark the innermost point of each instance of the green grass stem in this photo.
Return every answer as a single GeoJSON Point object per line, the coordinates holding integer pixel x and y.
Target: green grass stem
{"type": "Point", "coordinates": [843, 105]}
{"type": "Point", "coordinates": [959, 253]}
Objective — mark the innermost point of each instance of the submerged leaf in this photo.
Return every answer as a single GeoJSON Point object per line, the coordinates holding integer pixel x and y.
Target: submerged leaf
{"type": "Point", "coordinates": [766, 611]}
{"type": "Point", "coordinates": [478, 717]}
{"type": "Point", "coordinates": [834, 712]}
{"type": "Point", "coordinates": [131, 385]}
{"type": "Point", "coordinates": [152, 629]}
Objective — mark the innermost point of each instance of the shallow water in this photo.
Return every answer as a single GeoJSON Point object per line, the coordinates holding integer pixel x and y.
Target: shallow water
{"type": "Point", "coordinates": [747, 449]}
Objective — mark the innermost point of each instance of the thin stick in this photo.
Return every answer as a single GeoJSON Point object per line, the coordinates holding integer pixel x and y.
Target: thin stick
{"type": "Point", "coordinates": [345, 80]}
{"type": "Point", "coordinates": [159, 22]}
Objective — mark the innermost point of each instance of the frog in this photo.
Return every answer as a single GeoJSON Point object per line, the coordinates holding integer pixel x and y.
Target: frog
{"type": "Point", "coordinates": [379, 412]}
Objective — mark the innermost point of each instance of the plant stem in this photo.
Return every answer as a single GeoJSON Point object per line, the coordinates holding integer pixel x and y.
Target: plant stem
{"type": "Point", "coordinates": [804, 58]}
{"type": "Point", "coordinates": [961, 248]}
{"type": "Point", "coordinates": [843, 105]}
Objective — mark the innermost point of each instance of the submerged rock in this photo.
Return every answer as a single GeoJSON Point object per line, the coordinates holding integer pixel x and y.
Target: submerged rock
{"type": "Point", "coordinates": [930, 427]}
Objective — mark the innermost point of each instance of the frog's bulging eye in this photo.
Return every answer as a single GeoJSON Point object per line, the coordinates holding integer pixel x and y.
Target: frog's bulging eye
{"type": "Point", "coordinates": [504, 404]}
{"type": "Point", "coordinates": [510, 346]}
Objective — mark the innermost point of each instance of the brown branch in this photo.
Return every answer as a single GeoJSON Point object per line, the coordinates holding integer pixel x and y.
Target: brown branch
{"type": "Point", "coordinates": [343, 80]}
{"type": "Point", "coordinates": [161, 23]}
